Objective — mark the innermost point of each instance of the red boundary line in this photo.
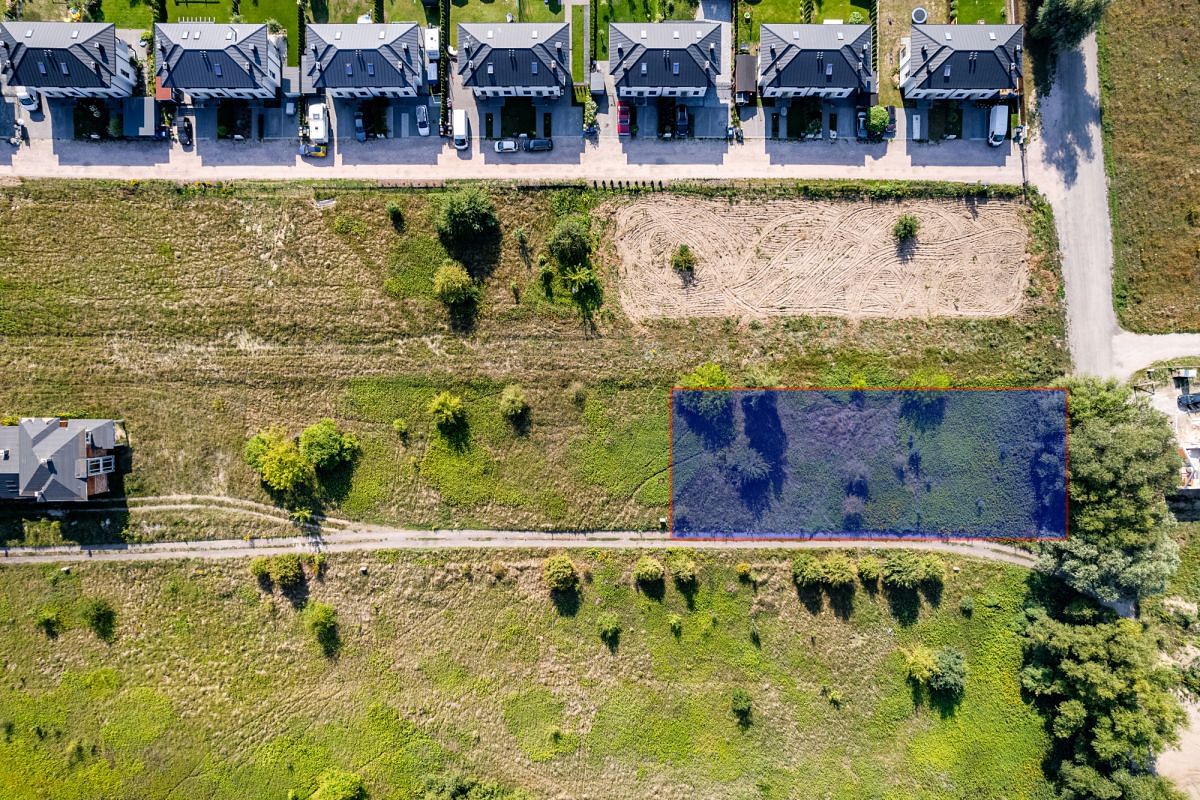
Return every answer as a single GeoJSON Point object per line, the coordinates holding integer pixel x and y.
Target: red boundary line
{"type": "Point", "coordinates": [845, 536]}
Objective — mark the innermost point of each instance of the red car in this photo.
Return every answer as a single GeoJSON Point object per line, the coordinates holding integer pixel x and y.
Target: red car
{"type": "Point", "coordinates": [622, 119]}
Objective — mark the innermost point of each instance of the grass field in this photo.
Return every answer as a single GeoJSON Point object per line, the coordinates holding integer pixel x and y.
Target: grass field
{"type": "Point", "coordinates": [1150, 92]}
{"type": "Point", "coordinates": [498, 11]}
{"type": "Point", "coordinates": [200, 316]}
{"type": "Point", "coordinates": [578, 34]}
{"type": "Point", "coordinates": [637, 11]}
{"type": "Point", "coordinates": [971, 12]}
{"type": "Point", "coordinates": [457, 668]}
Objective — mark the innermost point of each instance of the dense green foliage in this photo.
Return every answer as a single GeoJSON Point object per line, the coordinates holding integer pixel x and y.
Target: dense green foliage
{"type": "Point", "coordinates": [1066, 22]}
{"type": "Point", "coordinates": [321, 621]}
{"type": "Point", "coordinates": [447, 411]}
{"type": "Point", "coordinates": [325, 446]}
{"type": "Point", "coordinates": [99, 615]}
{"type": "Point", "coordinates": [466, 215]}
{"type": "Point", "coordinates": [338, 784]}
{"type": "Point", "coordinates": [560, 574]}
{"type": "Point", "coordinates": [877, 120]}
{"type": "Point", "coordinates": [740, 704]}
{"type": "Point", "coordinates": [707, 404]}
{"type": "Point", "coordinates": [807, 571]}
{"type": "Point", "coordinates": [838, 571]}
{"type": "Point", "coordinates": [570, 243]}
{"type": "Point", "coordinates": [648, 571]}
{"type": "Point", "coordinates": [453, 286]}
{"type": "Point", "coordinates": [1123, 460]}
{"type": "Point", "coordinates": [906, 227]}
{"type": "Point", "coordinates": [683, 260]}
{"type": "Point", "coordinates": [513, 405]}
{"type": "Point", "coordinates": [277, 458]}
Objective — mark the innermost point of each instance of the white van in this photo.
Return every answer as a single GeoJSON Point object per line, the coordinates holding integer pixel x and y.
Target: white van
{"type": "Point", "coordinates": [998, 126]}
{"type": "Point", "coordinates": [459, 129]}
{"type": "Point", "coordinates": [318, 123]}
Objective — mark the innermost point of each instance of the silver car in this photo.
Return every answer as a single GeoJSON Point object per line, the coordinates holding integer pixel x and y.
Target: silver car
{"type": "Point", "coordinates": [422, 121]}
{"type": "Point", "coordinates": [506, 145]}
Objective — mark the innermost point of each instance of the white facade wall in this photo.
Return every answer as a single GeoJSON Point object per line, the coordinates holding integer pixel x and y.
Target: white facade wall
{"type": "Point", "coordinates": [517, 91]}
{"type": "Point", "coordinates": [641, 91]}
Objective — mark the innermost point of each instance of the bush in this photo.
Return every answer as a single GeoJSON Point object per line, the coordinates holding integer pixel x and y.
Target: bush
{"type": "Point", "coordinates": [49, 621]}
{"type": "Point", "coordinates": [906, 227]}
{"type": "Point", "coordinates": [609, 628]}
{"type": "Point", "coordinates": [453, 286]}
{"type": "Point", "coordinates": [337, 784]}
{"type": "Point", "coordinates": [512, 403]}
{"type": "Point", "coordinates": [807, 571]}
{"type": "Point", "coordinates": [966, 606]}
{"type": "Point", "coordinates": [560, 574]}
{"type": "Point", "coordinates": [933, 570]}
{"type": "Point", "coordinates": [920, 663]}
{"type": "Point", "coordinates": [570, 242]}
{"type": "Point", "coordinates": [648, 571]}
{"type": "Point", "coordinates": [869, 570]}
{"type": "Point", "coordinates": [709, 405]}
{"type": "Point", "coordinates": [278, 461]}
{"type": "Point", "coordinates": [877, 120]}
{"type": "Point", "coordinates": [467, 215]}
{"type": "Point", "coordinates": [902, 569]}
{"type": "Point", "coordinates": [855, 18]}
{"type": "Point", "coordinates": [683, 569]}
{"type": "Point", "coordinates": [99, 616]}
{"type": "Point", "coordinates": [286, 570]}
{"type": "Point", "coordinates": [950, 675]}
{"type": "Point", "coordinates": [396, 216]}
{"type": "Point", "coordinates": [275, 27]}
{"type": "Point", "coordinates": [838, 571]}
{"type": "Point", "coordinates": [683, 259]}
{"type": "Point", "coordinates": [676, 623]}
{"type": "Point", "coordinates": [739, 703]}
{"type": "Point", "coordinates": [325, 446]}
{"type": "Point", "coordinates": [321, 621]}
{"type": "Point", "coordinates": [447, 411]}
{"type": "Point", "coordinates": [744, 572]}
{"type": "Point", "coordinates": [400, 427]}
{"type": "Point", "coordinates": [577, 393]}
{"type": "Point", "coordinates": [260, 567]}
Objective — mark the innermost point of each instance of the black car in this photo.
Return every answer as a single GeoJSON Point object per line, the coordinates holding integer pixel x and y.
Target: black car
{"type": "Point", "coordinates": [1189, 402]}
{"type": "Point", "coordinates": [183, 130]}
{"type": "Point", "coordinates": [538, 145]}
{"type": "Point", "coordinates": [682, 123]}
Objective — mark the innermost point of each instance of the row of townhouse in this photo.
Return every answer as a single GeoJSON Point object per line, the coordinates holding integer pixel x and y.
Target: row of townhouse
{"type": "Point", "coordinates": [201, 61]}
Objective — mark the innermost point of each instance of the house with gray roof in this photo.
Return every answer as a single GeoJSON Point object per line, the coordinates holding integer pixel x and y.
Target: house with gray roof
{"type": "Point", "coordinates": [515, 59]}
{"type": "Point", "coordinates": [205, 60]}
{"type": "Point", "coordinates": [66, 59]}
{"type": "Point", "coordinates": [361, 60]}
{"type": "Point", "coordinates": [830, 61]}
{"type": "Point", "coordinates": [664, 59]}
{"type": "Point", "coordinates": [52, 460]}
{"type": "Point", "coordinates": [961, 62]}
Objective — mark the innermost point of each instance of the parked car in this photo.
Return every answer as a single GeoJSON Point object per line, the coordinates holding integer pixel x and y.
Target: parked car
{"type": "Point", "coordinates": [890, 131]}
{"type": "Point", "coordinates": [998, 125]}
{"type": "Point", "coordinates": [422, 121]}
{"type": "Point", "coordinates": [506, 146]}
{"type": "Point", "coordinates": [538, 145]}
{"type": "Point", "coordinates": [623, 127]}
{"type": "Point", "coordinates": [681, 121]}
{"type": "Point", "coordinates": [318, 123]}
{"type": "Point", "coordinates": [860, 129]}
{"type": "Point", "coordinates": [1189, 402]}
{"type": "Point", "coordinates": [459, 129]}
{"type": "Point", "coordinates": [183, 129]}
{"type": "Point", "coordinates": [313, 150]}
{"type": "Point", "coordinates": [360, 130]}
{"type": "Point", "coordinates": [28, 99]}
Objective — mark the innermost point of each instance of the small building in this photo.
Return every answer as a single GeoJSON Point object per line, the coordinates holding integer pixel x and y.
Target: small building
{"type": "Point", "coordinates": [830, 61]}
{"type": "Point", "coordinates": [205, 60]}
{"type": "Point", "coordinates": [363, 60]}
{"type": "Point", "coordinates": [515, 59]}
{"type": "Point", "coordinates": [664, 59]}
{"type": "Point", "coordinates": [745, 78]}
{"type": "Point", "coordinates": [52, 460]}
{"type": "Point", "coordinates": [66, 59]}
{"type": "Point", "coordinates": [962, 62]}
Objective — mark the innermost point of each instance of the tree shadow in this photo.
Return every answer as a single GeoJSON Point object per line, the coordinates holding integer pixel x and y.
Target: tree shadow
{"type": "Point", "coordinates": [330, 640]}
{"type": "Point", "coordinates": [924, 410]}
{"type": "Point", "coordinates": [708, 414]}
{"type": "Point", "coordinates": [944, 703]}
{"type": "Point", "coordinates": [841, 600]}
{"type": "Point", "coordinates": [522, 422]}
{"type": "Point", "coordinates": [906, 248]}
{"type": "Point", "coordinates": [932, 592]}
{"type": "Point", "coordinates": [296, 594]}
{"type": "Point", "coordinates": [655, 589]}
{"type": "Point", "coordinates": [744, 719]}
{"type": "Point", "coordinates": [463, 316]}
{"type": "Point", "coordinates": [811, 597]}
{"type": "Point", "coordinates": [904, 604]}
{"type": "Point", "coordinates": [612, 640]}
{"type": "Point", "coordinates": [456, 434]}
{"type": "Point", "coordinates": [687, 588]}
{"type": "Point", "coordinates": [566, 603]}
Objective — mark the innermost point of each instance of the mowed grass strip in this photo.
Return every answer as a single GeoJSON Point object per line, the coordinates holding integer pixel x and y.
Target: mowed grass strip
{"type": "Point", "coordinates": [1150, 93]}
{"type": "Point", "coordinates": [456, 666]}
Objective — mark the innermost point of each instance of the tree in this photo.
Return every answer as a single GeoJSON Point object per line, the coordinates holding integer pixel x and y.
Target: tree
{"type": "Point", "coordinates": [286, 570]}
{"type": "Point", "coordinates": [683, 260]}
{"type": "Point", "coordinates": [570, 242]}
{"type": "Point", "coordinates": [920, 663]}
{"type": "Point", "coordinates": [560, 574]}
{"type": "Point", "coordinates": [325, 446]}
{"type": "Point", "coordinates": [648, 571]}
{"type": "Point", "coordinates": [807, 571]}
{"type": "Point", "coordinates": [1065, 23]}
{"type": "Point", "coordinates": [683, 569]}
{"type": "Point", "coordinates": [1123, 460]}
{"type": "Point", "coordinates": [838, 571]}
{"type": "Point", "coordinates": [281, 465]}
{"type": "Point", "coordinates": [98, 614]}
{"type": "Point", "coordinates": [877, 120]}
{"type": "Point", "coordinates": [906, 228]}
{"type": "Point", "coordinates": [740, 704]}
{"type": "Point", "coordinates": [453, 286]}
{"type": "Point", "coordinates": [321, 621]}
{"type": "Point", "coordinates": [609, 629]}
{"type": "Point", "coordinates": [466, 216]}
{"type": "Point", "coordinates": [337, 784]}
{"type": "Point", "coordinates": [869, 570]}
{"type": "Point", "coordinates": [902, 569]}
{"type": "Point", "coordinates": [950, 673]}
{"type": "Point", "coordinates": [933, 570]}
{"type": "Point", "coordinates": [707, 404]}
{"type": "Point", "coordinates": [512, 403]}
{"type": "Point", "coordinates": [447, 411]}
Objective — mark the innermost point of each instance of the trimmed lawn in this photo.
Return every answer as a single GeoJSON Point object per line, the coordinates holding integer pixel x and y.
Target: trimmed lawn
{"type": "Point", "coordinates": [1150, 93]}
{"type": "Point", "coordinates": [497, 10]}
{"type": "Point", "coordinates": [790, 11]}
{"type": "Point", "coordinates": [840, 9]}
{"type": "Point", "coordinates": [637, 11]}
{"type": "Point", "coordinates": [970, 12]}
{"type": "Point", "coordinates": [455, 669]}
{"type": "Point", "coordinates": [578, 67]}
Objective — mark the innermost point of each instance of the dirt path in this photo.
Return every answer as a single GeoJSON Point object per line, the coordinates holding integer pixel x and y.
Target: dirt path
{"type": "Point", "coordinates": [1182, 764]}
{"type": "Point", "coordinates": [798, 257]}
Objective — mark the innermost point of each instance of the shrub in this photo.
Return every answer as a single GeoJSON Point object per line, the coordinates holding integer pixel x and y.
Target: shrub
{"type": "Point", "coordinates": [869, 570]}
{"type": "Point", "coordinates": [609, 628]}
{"type": "Point", "coordinates": [902, 569]}
{"type": "Point", "coordinates": [321, 621]}
{"type": "Point", "coordinates": [570, 243]}
{"type": "Point", "coordinates": [447, 411]}
{"type": "Point", "coordinates": [855, 18]}
{"type": "Point", "coordinates": [99, 616]}
{"type": "Point", "coordinates": [286, 570]}
{"type": "Point", "coordinates": [284, 468]}
{"type": "Point", "coordinates": [706, 404]}
{"type": "Point", "coordinates": [337, 784]}
{"type": "Point", "coordinates": [950, 675]}
{"type": "Point", "coordinates": [49, 621]}
{"type": "Point", "coordinates": [467, 215]}
{"type": "Point", "coordinates": [739, 703]}
{"type": "Point", "coordinates": [400, 427]}
{"type": "Point", "coordinates": [676, 623]}
{"type": "Point", "coordinates": [806, 571]}
{"type": "Point", "coordinates": [744, 572]}
{"type": "Point", "coordinates": [683, 569]}
{"type": "Point", "coordinates": [966, 606]}
{"type": "Point", "coordinates": [920, 664]}
{"type": "Point", "coordinates": [683, 259]}
{"type": "Point", "coordinates": [560, 574]}
{"type": "Point", "coordinates": [396, 216]}
{"type": "Point", "coordinates": [260, 567]}
{"type": "Point", "coordinates": [906, 227]}
{"type": "Point", "coordinates": [258, 445]}
{"type": "Point", "coordinates": [648, 570]}
{"type": "Point", "coordinates": [838, 571]}
{"type": "Point", "coordinates": [877, 120]}
{"type": "Point", "coordinates": [453, 286]}
{"type": "Point", "coordinates": [325, 446]}
{"type": "Point", "coordinates": [512, 403]}
{"type": "Point", "coordinates": [577, 393]}
{"type": "Point", "coordinates": [933, 570]}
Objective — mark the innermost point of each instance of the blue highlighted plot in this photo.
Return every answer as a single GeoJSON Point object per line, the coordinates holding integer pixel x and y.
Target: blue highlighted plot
{"type": "Point", "coordinates": [883, 463]}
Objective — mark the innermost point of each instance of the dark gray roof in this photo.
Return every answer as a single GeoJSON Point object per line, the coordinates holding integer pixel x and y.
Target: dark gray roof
{"type": "Point", "coordinates": [361, 56]}
{"type": "Point", "coordinates": [674, 53]}
{"type": "Point", "coordinates": [977, 56]}
{"type": "Point", "coordinates": [59, 54]}
{"type": "Point", "coordinates": [140, 116]}
{"type": "Point", "coordinates": [829, 56]}
{"type": "Point", "coordinates": [194, 55]}
{"type": "Point", "coordinates": [511, 50]}
{"type": "Point", "coordinates": [40, 455]}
